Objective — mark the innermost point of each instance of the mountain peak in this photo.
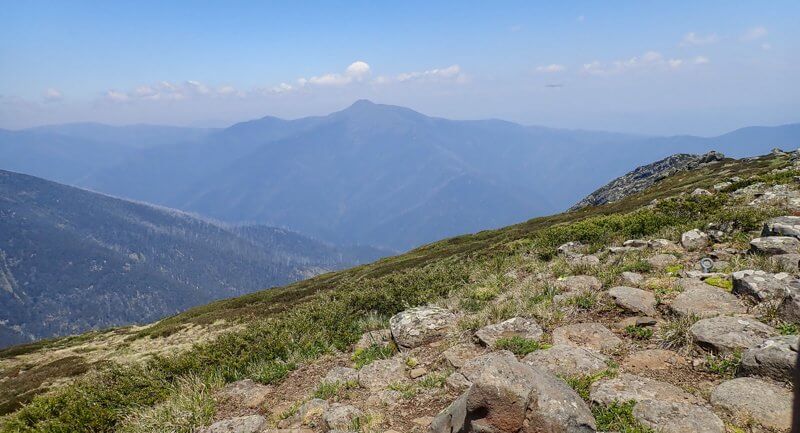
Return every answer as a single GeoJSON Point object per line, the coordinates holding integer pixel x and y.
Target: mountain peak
{"type": "Point", "coordinates": [363, 103]}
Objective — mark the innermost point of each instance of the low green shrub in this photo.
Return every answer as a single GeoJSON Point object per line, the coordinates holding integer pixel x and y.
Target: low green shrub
{"type": "Point", "coordinates": [520, 346]}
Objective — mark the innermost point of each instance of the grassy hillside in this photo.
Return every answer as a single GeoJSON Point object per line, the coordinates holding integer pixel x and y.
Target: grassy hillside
{"type": "Point", "coordinates": [265, 335]}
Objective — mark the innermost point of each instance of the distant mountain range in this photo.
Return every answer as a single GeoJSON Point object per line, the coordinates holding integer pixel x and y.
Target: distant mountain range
{"type": "Point", "coordinates": [370, 174]}
{"type": "Point", "coordinates": [73, 260]}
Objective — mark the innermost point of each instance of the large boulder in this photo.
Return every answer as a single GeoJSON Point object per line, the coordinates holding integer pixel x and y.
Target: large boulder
{"type": "Point", "coordinates": [509, 396]}
{"type": "Point", "coordinates": [634, 300]}
{"type": "Point", "coordinates": [566, 361]}
{"type": "Point", "coordinates": [594, 336]}
{"type": "Point", "coordinates": [726, 334]}
{"type": "Point", "coordinates": [381, 373]}
{"type": "Point", "coordinates": [774, 357]}
{"type": "Point", "coordinates": [242, 424]}
{"type": "Point", "coordinates": [759, 285]}
{"type": "Point", "coordinates": [789, 308]}
{"type": "Point", "coordinates": [747, 399]}
{"type": "Point", "coordinates": [782, 226]}
{"type": "Point", "coordinates": [694, 240]}
{"type": "Point", "coordinates": [704, 300]}
{"type": "Point", "coordinates": [775, 245]}
{"type": "Point", "coordinates": [421, 325]}
{"type": "Point", "coordinates": [514, 327]}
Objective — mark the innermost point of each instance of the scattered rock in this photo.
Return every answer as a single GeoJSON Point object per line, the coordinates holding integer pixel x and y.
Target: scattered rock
{"type": "Point", "coordinates": [340, 416]}
{"type": "Point", "coordinates": [789, 262]}
{"type": "Point", "coordinates": [341, 375]}
{"type": "Point", "coordinates": [475, 366]}
{"type": "Point", "coordinates": [310, 410]}
{"type": "Point", "coordinates": [726, 334]}
{"type": "Point", "coordinates": [748, 399]}
{"type": "Point", "coordinates": [578, 284]}
{"type": "Point", "coordinates": [242, 424]}
{"type": "Point", "coordinates": [782, 226]}
{"type": "Point", "coordinates": [461, 353]}
{"type": "Point", "coordinates": [636, 243]}
{"type": "Point", "coordinates": [456, 382]}
{"type": "Point", "coordinates": [653, 360]}
{"type": "Point", "coordinates": [700, 191]}
{"type": "Point", "coordinates": [381, 373]}
{"type": "Point", "coordinates": [583, 260]}
{"type": "Point", "coordinates": [759, 285]}
{"type": "Point", "coordinates": [572, 248]}
{"type": "Point", "coordinates": [564, 361]}
{"type": "Point", "coordinates": [662, 261]}
{"type": "Point", "coordinates": [664, 245]}
{"type": "Point", "coordinates": [386, 397]}
{"type": "Point", "coordinates": [722, 185]}
{"type": "Point", "coordinates": [380, 337]}
{"type": "Point", "coordinates": [634, 300]}
{"type": "Point", "coordinates": [418, 372]}
{"type": "Point", "coordinates": [593, 336]}
{"type": "Point", "coordinates": [774, 357]}
{"type": "Point", "coordinates": [245, 392]}
{"type": "Point", "coordinates": [789, 308]}
{"type": "Point", "coordinates": [632, 279]}
{"type": "Point", "coordinates": [638, 321]}
{"type": "Point", "coordinates": [674, 417]}
{"type": "Point", "coordinates": [627, 387]}
{"type": "Point", "coordinates": [775, 245]}
{"type": "Point", "coordinates": [704, 300]}
{"type": "Point", "coordinates": [421, 325]}
{"type": "Point", "coordinates": [514, 327]}
{"type": "Point", "coordinates": [694, 240]}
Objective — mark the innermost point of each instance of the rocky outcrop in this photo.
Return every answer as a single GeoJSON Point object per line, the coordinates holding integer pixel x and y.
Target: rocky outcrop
{"type": "Point", "coordinates": [514, 327]}
{"type": "Point", "coordinates": [728, 334]}
{"type": "Point", "coordinates": [644, 177]}
{"type": "Point", "coordinates": [774, 357]}
{"type": "Point", "coordinates": [747, 399]}
{"type": "Point", "coordinates": [421, 325]}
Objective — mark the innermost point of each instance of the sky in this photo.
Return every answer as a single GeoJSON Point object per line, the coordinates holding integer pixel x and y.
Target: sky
{"type": "Point", "coordinates": [678, 67]}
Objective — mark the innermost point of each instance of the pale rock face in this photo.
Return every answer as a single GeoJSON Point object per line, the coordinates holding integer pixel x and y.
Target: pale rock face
{"type": "Point", "coordinates": [459, 354]}
{"type": "Point", "coordinates": [242, 424]}
{"type": "Point", "coordinates": [726, 334]}
{"type": "Point", "coordinates": [774, 358]}
{"type": "Point", "coordinates": [773, 245]}
{"type": "Point", "coordinates": [782, 226]}
{"type": "Point", "coordinates": [662, 261]}
{"type": "Point", "coordinates": [632, 279]}
{"type": "Point", "coordinates": [514, 327]}
{"type": "Point", "coordinates": [380, 337]}
{"type": "Point", "coordinates": [634, 300]}
{"type": "Point", "coordinates": [627, 387]}
{"type": "Point", "coordinates": [701, 191]}
{"type": "Point", "coordinates": [704, 300]}
{"type": "Point", "coordinates": [341, 375]}
{"type": "Point", "coordinates": [421, 325]}
{"type": "Point", "coordinates": [381, 373]}
{"type": "Point", "coordinates": [694, 240]}
{"type": "Point", "coordinates": [592, 336]}
{"type": "Point", "coordinates": [747, 398]}
{"type": "Point", "coordinates": [245, 392]}
{"type": "Point", "coordinates": [653, 359]}
{"type": "Point", "coordinates": [672, 417]}
{"type": "Point", "coordinates": [340, 416]}
{"type": "Point", "coordinates": [576, 285]}
{"type": "Point", "coordinates": [565, 361]}
{"type": "Point", "coordinates": [759, 285]}
{"type": "Point", "coordinates": [789, 309]}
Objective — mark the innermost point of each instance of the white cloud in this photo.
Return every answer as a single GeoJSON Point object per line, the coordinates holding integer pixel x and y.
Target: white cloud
{"type": "Point", "coordinates": [650, 60]}
{"type": "Point", "coordinates": [357, 71]}
{"type": "Point", "coordinates": [701, 60]}
{"type": "Point", "coordinates": [693, 38]}
{"type": "Point", "coordinates": [52, 95]}
{"type": "Point", "coordinates": [754, 33]}
{"type": "Point", "coordinates": [675, 63]}
{"type": "Point", "coordinates": [452, 72]}
{"type": "Point", "coordinates": [114, 96]}
{"type": "Point", "coordinates": [551, 68]}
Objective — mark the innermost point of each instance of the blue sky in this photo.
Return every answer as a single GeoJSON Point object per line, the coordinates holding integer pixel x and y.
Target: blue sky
{"type": "Point", "coordinates": [660, 68]}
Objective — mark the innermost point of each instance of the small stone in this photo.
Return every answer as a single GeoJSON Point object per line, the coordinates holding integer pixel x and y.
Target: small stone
{"type": "Point", "coordinates": [420, 326]}
{"type": "Point", "coordinates": [653, 360]}
{"type": "Point", "coordinates": [340, 416]}
{"type": "Point", "coordinates": [381, 337]}
{"type": "Point", "coordinates": [423, 421]}
{"type": "Point", "coordinates": [593, 336]}
{"type": "Point", "coordinates": [701, 191]}
{"type": "Point", "coordinates": [565, 361]}
{"type": "Point", "coordinates": [775, 245]}
{"type": "Point", "coordinates": [636, 243]}
{"type": "Point", "coordinates": [748, 399]}
{"type": "Point", "coordinates": [727, 334]}
{"type": "Point", "coordinates": [664, 245]}
{"type": "Point", "coordinates": [514, 327]}
{"type": "Point", "coordinates": [632, 279]}
{"type": "Point", "coordinates": [242, 424]}
{"type": "Point", "coordinates": [571, 248]}
{"type": "Point", "coordinates": [694, 240]}
{"type": "Point", "coordinates": [634, 300]}
{"type": "Point", "coordinates": [583, 260]}
{"type": "Point", "coordinates": [459, 354]}
{"type": "Point", "coordinates": [418, 372]}
{"type": "Point", "coordinates": [774, 357]}
{"type": "Point", "coordinates": [379, 374]}
{"type": "Point", "coordinates": [704, 300]}
{"type": "Point", "coordinates": [662, 261]}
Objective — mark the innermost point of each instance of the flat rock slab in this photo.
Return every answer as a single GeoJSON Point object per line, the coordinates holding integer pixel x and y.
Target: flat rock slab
{"type": "Point", "coordinates": [632, 279]}
{"type": "Point", "coordinates": [242, 424]}
{"type": "Point", "coordinates": [340, 416]}
{"type": "Point", "coordinates": [634, 300]}
{"type": "Point", "coordinates": [627, 387]}
{"type": "Point", "coordinates": [245, 392]}
{"type": "Point", "coordinates": [514, 327]}
{"type": "Point", "coordinates": [662, 261]}
{"type": "Point", "coordinates": [653, 360]}
{"type": "Point", "coordinates": [704, 300]}
{"type": "Point", "coordinates": [420, 326]}
{"type": "Point", "coordinates": [672, 417]}
{"type": "Point", "coordinates": [381, 373]}
{"type": "Point", "coordinates": [694, 240]}
{"type": "Point", "coordinates": [782, 226]}
{"type": "Point", "coordinates": [567, 361]}
{"type": "Point", "coordinates": [341, 375]}
{"type": "Point", "coordinates": [774, 357]}
{"type": "Point", "coordinates": [759, 285]}
{"type": "Point", "coordinates": [459, 354]}
{"type": "Point", "coordinates": [727, 334]}
{"type": "Point", "coordinates": [746, 398]}
{"type": "Point", "coordinates": [775, 245]}
{"type": "Point", "coordinates": [789, 308]}
{"type": "Point", "coordinates": [380, 337]}
{"type": "Point", "coordinates": [594, 336]}
{"type": "Point", "coordinates": [576, 285]}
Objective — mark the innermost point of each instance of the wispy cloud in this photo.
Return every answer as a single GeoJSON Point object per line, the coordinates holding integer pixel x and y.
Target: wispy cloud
{"type": "Point", "coordinates": [52, 95]}
{"type": "Point", "coordinates": [552, 68]}
{"type": "Point", "coordinates": [754, 33]}
{"type": "Point", "coordinates": [450, 73]}
{"type": "Point", "coordinates": [693, 39]}
{"type": "Point", "coordinates": [650, 60]}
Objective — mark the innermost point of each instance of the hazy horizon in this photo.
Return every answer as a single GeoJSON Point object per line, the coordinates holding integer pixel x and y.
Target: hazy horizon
{"type": "Point", "coordinates": [651, 69]}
